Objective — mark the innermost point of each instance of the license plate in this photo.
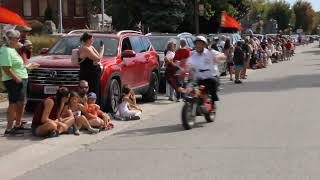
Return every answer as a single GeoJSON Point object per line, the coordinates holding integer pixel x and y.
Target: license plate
{"type": "Point", "coordinates": [51, 89]}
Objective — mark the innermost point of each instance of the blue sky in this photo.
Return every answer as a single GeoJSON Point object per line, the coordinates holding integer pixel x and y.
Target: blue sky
{"type": "Point", "coordinates": [315, 3]}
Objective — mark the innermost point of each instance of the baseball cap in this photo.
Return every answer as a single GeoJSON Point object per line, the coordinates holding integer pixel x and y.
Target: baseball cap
{"type": "Point", "coordinates": [23, 28]}
{"type": "Point", "coordinates": [92, 95]}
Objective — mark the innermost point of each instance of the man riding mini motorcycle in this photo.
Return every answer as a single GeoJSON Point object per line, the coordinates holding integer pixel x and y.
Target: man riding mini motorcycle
{"type": "Point", "coordinates": [203, 67]}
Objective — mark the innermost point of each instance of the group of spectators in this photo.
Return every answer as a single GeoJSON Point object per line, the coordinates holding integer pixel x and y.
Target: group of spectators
{"type": "Point", "coordinates": [70, 111]}
{"type": "Point", "coordinates": [250, 52]}
{"type": "Point", "coordinates": [255, 53]}
{"type": "Point", "coordinates": [67, 111]}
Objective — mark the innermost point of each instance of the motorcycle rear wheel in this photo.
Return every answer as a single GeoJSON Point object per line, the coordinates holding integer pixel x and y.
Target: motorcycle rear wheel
{"type": "Point", "coordinates": [211, 116]}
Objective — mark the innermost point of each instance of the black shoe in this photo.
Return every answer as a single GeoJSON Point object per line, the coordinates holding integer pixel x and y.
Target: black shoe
{"type": "Point", "coordinates": [238, 82]}
{"type": "Point", "coordinates": [132, 118]}
{"type": "Point", "coordinates": [22, 128]}
{"type": "Point", "coordinates": [11, 132]}
{"type": "Point", "coordinates": [53, 134]}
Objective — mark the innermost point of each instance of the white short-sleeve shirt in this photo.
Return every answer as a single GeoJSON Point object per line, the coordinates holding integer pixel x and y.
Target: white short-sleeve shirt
{"type": "Point", "coordinates": [170, 55]}
{"type": "Point", "coordinates": [204, 64]}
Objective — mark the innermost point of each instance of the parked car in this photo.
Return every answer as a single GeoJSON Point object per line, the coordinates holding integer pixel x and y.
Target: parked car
{"type": "Point", "coordinates": [129, 58]}
{"type": "Point", "coordinates": [160, 41]}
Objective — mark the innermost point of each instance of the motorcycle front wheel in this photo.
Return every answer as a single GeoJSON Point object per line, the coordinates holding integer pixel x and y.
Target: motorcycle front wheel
{"type": "Point", "coordinates": [188, 117]}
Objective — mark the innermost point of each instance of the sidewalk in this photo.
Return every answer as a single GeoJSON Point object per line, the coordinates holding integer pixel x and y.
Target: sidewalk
{"type": "Point", "coordinates": [19, 154]}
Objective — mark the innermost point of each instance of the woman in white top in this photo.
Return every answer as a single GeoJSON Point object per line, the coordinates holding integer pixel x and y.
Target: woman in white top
{"type": "Point", "coordinates": [128, 108]}
{"type": "Point", "coordinates": [171, 69]}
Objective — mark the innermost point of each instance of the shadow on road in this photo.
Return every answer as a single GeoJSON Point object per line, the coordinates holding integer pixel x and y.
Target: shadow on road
{"type": "Point", "coordinates": [157, 130]}
{"type": "Point", "coordinates": [283, 84]}
{"type": "Point", "coordinates": [152, 131]}
{"type": "Point", "coordinates": [315, 52]}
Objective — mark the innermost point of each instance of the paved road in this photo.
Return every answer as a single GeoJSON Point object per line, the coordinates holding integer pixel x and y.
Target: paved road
{"type": "Point", "coordinates": [266, 129]}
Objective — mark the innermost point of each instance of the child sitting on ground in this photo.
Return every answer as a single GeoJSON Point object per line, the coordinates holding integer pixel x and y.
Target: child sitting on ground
{"type": "Point", "coordinates": [128, 108]}
{"type": "Point", "coordinates": [96, 117]}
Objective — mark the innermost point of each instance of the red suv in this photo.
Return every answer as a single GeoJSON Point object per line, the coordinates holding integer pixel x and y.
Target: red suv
{"type": "Point", "coordinates": [129, 58]}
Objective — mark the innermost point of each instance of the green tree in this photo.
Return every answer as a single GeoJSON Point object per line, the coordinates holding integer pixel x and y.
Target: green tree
{"type": "Point", "coordinates": [304, 15]}
{"type": "Point", "coordinates": [258, 9]}
{"type": "Point", "coordinates": [163, 16]}
{"type": "Point", "coordinates": [280, 11]}
{"type": "Point", "coordinates": [316, 24]}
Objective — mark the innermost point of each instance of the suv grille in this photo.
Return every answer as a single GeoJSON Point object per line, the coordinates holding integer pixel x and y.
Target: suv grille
{"type": "Point", "coordinates": [54, 76]}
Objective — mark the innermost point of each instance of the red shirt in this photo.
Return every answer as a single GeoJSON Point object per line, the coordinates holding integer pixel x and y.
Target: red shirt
{"type": "Point", "coordinates": [182, 53]}
{"type": "Point", "coordinates": [37, 116]}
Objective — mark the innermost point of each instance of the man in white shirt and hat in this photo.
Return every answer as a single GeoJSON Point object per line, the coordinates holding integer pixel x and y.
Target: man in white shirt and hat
{"type": "Point", "coordinates": [203, 64]}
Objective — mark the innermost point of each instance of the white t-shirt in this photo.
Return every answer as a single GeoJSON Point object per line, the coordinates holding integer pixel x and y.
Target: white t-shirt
{"type": "Point", "coordinates": [204, 64]}
{"type": "Point", "coordinates": [170, 55]}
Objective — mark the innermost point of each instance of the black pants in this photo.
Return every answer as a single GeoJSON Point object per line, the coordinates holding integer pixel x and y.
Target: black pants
{"type": "Point", "coordinates": [211, 87]}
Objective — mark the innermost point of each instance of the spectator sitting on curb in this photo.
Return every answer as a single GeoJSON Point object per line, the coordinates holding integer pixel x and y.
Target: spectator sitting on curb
{"type": "Point", "coordinates": [80, 120]}
{"type": "Point", "coordinates": [96, 117]}
{"type": "Point", "coordinates": [83, 90]}
{"type": "Point", "coordinates": [50, 118]}
{"type": "Point", "coordinates": [128, 108]}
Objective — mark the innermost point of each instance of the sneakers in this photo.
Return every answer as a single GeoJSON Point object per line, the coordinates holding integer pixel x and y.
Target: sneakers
{"type": "Point", "coordinates": [21, 127]}
{"type": "Point", "coordinates": [238, 82]}
{"type": "Point", "coordinates": [53, 134]}
{"type": "Point", "coordinates": [12, 131]}
{"type": "Point", "coordinates": [93, 130]}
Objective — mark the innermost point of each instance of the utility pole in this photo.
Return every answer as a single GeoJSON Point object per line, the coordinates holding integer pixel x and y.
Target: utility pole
{"type": "Point", "coordinates": [102, 13]}
{"type": "Point", "coordinates": [196, 15]}
{"type": "Point", "coordinates": [60, 16]}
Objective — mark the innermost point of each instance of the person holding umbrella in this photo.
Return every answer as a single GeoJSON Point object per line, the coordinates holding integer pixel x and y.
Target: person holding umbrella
{"type": "Point", "coordinates": [15, 79]}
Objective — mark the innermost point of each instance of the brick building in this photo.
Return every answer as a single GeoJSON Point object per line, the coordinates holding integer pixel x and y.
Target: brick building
{"type": "Point", "coordinates": [74, 11]}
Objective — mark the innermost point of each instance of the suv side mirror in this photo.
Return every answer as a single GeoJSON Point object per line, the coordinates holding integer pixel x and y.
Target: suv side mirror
{"type": "Point", "coordinates": [128, 54]}
{"type": "Point", "coordinates": [44, 51]}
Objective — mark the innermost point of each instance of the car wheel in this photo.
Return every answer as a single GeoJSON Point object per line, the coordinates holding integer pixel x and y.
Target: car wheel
{"type": "Point", "coordinates": [114, 95]}
{"type": "Point", "coordinates": [152, 94]}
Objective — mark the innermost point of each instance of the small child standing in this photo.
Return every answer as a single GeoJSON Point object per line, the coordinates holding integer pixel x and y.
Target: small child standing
{"type": "Point", "coordinates": [96, 117]}
{"type": "Point", "coordinates": [128, 108]}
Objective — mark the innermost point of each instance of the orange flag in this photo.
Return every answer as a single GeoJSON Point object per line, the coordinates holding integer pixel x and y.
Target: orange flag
{"type": "Point", "coordinates": [229, 22]}
{"type": "Point", "coordinates": [10, 17]}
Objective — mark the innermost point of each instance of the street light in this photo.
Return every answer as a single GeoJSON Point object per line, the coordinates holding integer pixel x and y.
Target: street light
{"type": "Point", "coordinates": [196, 13]}
{"type": "Point", "coordinates": [102, 13]}
{"type": "Point", "coordinates": [60, 16]}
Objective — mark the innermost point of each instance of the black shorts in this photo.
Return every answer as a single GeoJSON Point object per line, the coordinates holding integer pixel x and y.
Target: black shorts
{"type": "Point", "coordinates": [16, 92]}
{"type": "Point", "coordinates": [229, 65]}
{"type": "Point", "coordinates": [211, 86]}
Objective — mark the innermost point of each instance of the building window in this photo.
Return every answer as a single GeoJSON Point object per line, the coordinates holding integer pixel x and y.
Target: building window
{"type": "Point", "coordinates": [65, 7]}
{"type": "Point", "coordinates": [27, 8]}
{"type": "Point", "coordinates": [43, 4]}
{"type": "Point", "coordinates": [79, 11]}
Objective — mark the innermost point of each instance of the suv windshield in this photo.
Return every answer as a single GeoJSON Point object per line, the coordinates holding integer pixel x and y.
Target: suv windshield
{"type": "Point", "coordinates": [65, 45]}
{"type": "Point", "coordinates": [160, 42]}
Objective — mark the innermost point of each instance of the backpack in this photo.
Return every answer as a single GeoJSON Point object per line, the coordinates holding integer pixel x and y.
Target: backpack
{"type": "Point", "coordinates": [75, 57]}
